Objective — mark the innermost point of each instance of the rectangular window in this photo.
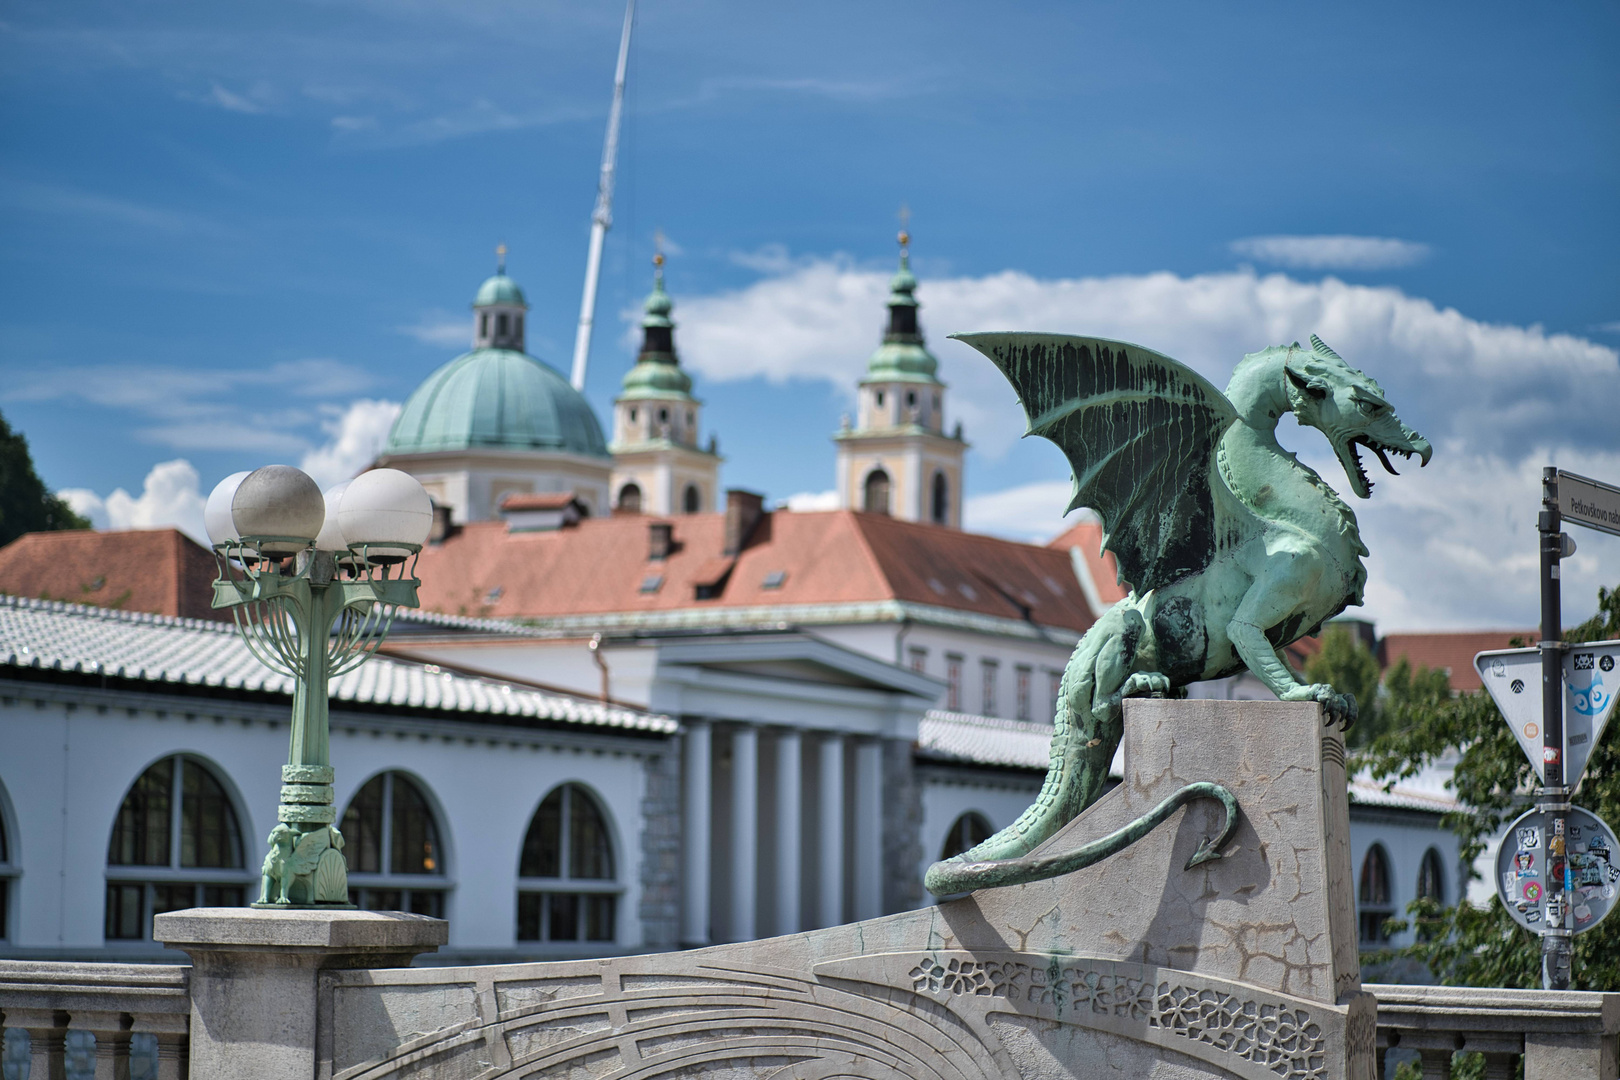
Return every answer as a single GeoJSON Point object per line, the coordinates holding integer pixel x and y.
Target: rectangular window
{"type": "Point", "coordinates": [1024, 675]}
{"type": "Point", "coordinates": [919, 659]}
{"type": "Point", "coordinates": [566, 916]}
{"type": "Point", "coordinates": [953, 683]}
{"type": "Point", "coordinates": [988, 669]}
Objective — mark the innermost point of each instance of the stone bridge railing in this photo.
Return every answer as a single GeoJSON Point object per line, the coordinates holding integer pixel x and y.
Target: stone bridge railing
{"type": "Point", "coordinates": [98, 1010]}
{"type": "Point", "coordinates": [1562, 1036]}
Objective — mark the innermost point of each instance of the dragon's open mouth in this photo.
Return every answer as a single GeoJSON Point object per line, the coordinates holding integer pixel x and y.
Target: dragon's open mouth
{"type": "Point", "coordinates": [1383, 457]}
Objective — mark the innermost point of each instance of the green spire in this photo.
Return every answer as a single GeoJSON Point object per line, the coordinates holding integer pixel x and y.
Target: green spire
{"type": "Point", "coordinates": [657, 372]}
{"type": "Point", "coordinates": [902, 357]}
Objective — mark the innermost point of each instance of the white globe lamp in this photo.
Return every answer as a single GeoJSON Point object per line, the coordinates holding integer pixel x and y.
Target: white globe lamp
{"type": "Point", "coordinates": [385, 515]}
{"type": "Point", "coordinates": [331, 536]}
{"type": "Point", "coordinates": [280, 504]}
{"type": "Point", "coordinates": [217, 512]}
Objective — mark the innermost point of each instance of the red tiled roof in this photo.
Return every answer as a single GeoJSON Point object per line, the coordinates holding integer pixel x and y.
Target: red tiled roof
{"type": "Point", "coordinates": [1452, 653]}
{"type": "Point", "coordinates": [601, 565]}
{"type": "Point", "coordinates": [1087, 536]}
{"type": "Point", "coordinates": [161, 571]}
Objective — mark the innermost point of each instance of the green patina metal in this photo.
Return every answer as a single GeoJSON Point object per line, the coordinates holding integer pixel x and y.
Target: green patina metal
{"type": "Point", "coordinates": [902, 357]}
{"type": "Point", "coordinates": [311, 625]}
{"type": "Point", "coordinates": [953, 876]}
{"type": "Point", "coordinates": [657, 373]}
{"type": "Point", "coordinates": [497, 399]}
{"type": "Point", "coordinates": [1233, 549]}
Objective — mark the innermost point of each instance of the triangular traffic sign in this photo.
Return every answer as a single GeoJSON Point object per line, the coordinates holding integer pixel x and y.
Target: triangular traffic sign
{"type": "Point", "coordinates": [1591, 680]}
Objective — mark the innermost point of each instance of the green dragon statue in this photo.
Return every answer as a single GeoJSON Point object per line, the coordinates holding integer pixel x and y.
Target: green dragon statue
{"type": "Point", "coordinates": [1232, 548]}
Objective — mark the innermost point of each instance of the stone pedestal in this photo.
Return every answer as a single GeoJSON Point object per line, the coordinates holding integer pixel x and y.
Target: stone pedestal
{"type": "Point", "coordinates": [1136, 966]}
{"type": "Point", "coordinates": [255, 972]}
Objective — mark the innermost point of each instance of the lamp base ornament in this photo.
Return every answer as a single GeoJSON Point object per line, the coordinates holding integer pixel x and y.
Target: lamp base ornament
{"type": "Point", "coordinates": [305, 867]}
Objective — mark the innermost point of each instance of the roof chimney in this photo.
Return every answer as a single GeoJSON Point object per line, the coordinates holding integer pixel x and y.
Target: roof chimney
{"type": "Point", "coordinates": [743, 511]}
{"type": "Point", "coordinates": [660, 538]}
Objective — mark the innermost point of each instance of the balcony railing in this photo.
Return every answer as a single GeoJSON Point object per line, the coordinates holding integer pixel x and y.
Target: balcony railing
{"type": "Point", "coordinates": [112, 1003]}
{"type": "Point", "coordinates": [1569, 1035]}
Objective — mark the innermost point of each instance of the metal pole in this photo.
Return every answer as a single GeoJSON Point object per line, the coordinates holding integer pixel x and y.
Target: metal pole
{"type": "Point", "coordinates": [602, 216]}
{"type": "Point", "coordinates": [1556, 933]}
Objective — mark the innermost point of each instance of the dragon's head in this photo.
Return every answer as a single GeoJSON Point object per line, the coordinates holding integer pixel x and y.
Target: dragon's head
{"type": "Point", "coordinates": [1348, 407]}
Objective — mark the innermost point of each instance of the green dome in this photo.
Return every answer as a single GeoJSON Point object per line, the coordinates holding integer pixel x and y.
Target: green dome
{"type": "Point", "coordinates": [496, 399]}
{"type": "Point", "coordinates": [902, 361]}
{"type": "Point", "coordinates": [499, 289]}
{"type": "Point", "coordinates": [657, 372]}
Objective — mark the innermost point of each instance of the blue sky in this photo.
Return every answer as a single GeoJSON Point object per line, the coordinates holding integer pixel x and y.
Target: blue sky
{"type": "Point", "coordinates": [226, 225]}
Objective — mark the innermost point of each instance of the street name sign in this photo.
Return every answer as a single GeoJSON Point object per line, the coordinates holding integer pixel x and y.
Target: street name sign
{"type": "Point", "coordinates": [1582, 857]}
{"type": "Point", "coordinates": [1591, 678]}
{"type": "Point", "coordinates": [1589, 502]}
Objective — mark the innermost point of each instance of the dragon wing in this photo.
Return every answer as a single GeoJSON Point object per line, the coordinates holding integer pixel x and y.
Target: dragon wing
{"type": "Point", "coordinates": [1140, 431]}
{"type": "Point", "coordinates": [308, 853]}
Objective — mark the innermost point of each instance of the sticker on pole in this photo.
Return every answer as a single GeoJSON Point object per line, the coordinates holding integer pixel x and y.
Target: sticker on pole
{"type": "Point", "coordinates": [1589, 867]}
{"type": "Point", "coordinates": [1591, 678]}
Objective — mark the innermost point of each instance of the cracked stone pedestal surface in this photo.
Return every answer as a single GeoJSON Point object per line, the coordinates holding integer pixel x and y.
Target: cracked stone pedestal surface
{"type": "Point", "coordinates": [255, 974]}
{"type": "Point", "coordinates": [1134, 967]}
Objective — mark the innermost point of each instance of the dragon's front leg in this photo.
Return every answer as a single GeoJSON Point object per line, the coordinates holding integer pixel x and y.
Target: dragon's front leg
{"type": "Point", "coordinates": [1268, 603]}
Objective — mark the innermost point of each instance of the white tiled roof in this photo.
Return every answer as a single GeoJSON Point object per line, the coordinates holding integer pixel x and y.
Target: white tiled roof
{"type": "Point", "coordinates": [1427, 790]}
{"type": "Point", "coordinates": [984, 740]}
{"type": "Point", "coordinates": [161, 649]}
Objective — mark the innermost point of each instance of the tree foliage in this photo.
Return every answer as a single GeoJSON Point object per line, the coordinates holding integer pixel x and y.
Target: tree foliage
{"type": "Point", "coordinates": [1462, 944]}
{"type": "Point", "coordinates": [1348, 666]}
{"type": "Point", "coordinates": [25, 503]}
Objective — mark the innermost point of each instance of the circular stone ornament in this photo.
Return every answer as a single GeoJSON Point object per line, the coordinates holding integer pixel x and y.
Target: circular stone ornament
{"type": "Point", "coordinates": [331, 536]}
{"type": "Point", "coordinates": [279, 501]}
{"type": "Point", "coordinates": [1590, 864]}
{"type": "Point", "coordinates": [217, 513]}
{"type": "Point", "coordinates": [386, 513]}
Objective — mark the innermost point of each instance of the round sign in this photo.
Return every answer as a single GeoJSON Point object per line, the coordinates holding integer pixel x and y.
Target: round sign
{"type": "Point", "coordinates": [1587, 863]}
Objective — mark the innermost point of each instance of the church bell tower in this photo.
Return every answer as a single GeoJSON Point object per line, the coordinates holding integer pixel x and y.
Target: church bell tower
{"type": "Point", "coordinates": [897, 458]}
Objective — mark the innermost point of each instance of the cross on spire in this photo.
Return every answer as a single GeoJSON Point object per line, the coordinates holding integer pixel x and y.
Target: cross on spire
{"type": "Point", "coordinates": [658, 254]}
{"type": "Point", "coordinates": [500, 258]}
{"type": "Point", "coordinates": [905, 236]}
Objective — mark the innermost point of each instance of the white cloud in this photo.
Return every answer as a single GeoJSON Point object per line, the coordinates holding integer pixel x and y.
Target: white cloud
{"type": "Point", "coordinates": [1332, 252]}
{"type": "Point", "coordinates": [1032, 512]}
{"type": "Point", "coordinates": [441, 328]}
{"type": "Point", "coordinates": [806, 502]}
{"type": "Point", "coordinates": [1504, 388]}
{"type": "Point", "coordinates": [356, 437]}
{"type": "Point", "coordinates": [169, 498]}
{"type": "Point", "coordinates": [1453, 544]}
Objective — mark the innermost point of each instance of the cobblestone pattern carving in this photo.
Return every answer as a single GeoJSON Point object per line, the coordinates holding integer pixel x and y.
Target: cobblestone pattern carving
{"type": "Point", "coordinates": [1283, 1039]}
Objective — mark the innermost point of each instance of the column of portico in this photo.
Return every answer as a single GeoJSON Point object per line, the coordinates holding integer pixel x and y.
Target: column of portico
{"type": "Point", "coordinates": [868, 861]}
{"type": "Point", "coordinates": [789, 799]}
{"type": "Point", "coordinates": [744, 831]}
{"type": "Point", "coordinates": [695, 840]}
{"type": "Point", "coordinates": [830, 833]}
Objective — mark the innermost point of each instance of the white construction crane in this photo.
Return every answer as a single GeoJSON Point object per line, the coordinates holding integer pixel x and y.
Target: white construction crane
{"type": "Point", "coordinates": [602, 217]}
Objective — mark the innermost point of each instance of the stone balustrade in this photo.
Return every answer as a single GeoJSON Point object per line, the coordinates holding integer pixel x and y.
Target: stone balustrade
{"type": "Point", "coordinates": [1571, 1035]}
{"type": "Point", "coordinates": [113, 1003]}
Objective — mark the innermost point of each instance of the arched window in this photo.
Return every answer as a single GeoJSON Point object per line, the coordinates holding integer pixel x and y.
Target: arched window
{"type": "Point", "coordinates": [968, 831]}
{"type": "Point", "coordinates": [392, 841]}
{"type": "Point", "coordinates": [941, 509]}
{"type": "Point", "coordinates": [517, 326]}
{"type": "Point", "coordinates": [566, 886]}
{"type": "Point", "coordinates": [692, 499]}
{"type": "Point", "coordinates": [175, 844]}
{"type": "Point", "coordinates": [1431, 883]}
{"type": "Point", "coordinates": [483, 324]}
{"type": "Point", "coordinates": [877, 492]}
{"type": "Point", "coordinates": [500, 324]}
{"type": "Point", "coordinates": [1374, 896]}
{"type": "Point", "coordinates": [630, 499]}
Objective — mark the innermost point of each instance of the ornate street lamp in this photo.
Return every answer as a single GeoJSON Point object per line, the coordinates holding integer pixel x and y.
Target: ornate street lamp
{"type": "Point", "coordinates": [313, 581]}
